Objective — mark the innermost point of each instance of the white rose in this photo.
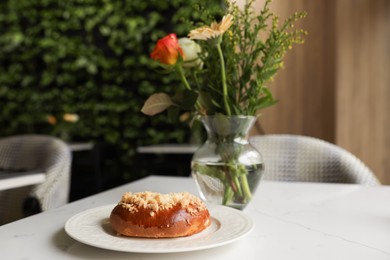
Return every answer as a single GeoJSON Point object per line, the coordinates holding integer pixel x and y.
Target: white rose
{"type": "Point", "coordinates": [191, 52]}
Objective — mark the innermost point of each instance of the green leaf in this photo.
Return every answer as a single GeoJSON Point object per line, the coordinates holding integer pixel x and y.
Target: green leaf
{"type": "Point", "coordinates": [186, 99]}
{"type": "Point", "coordinates": [173, 113]}
{"type": "Point", "coordinates": [156, 103]}
{"type": "Point", "coordinates": [206, 101]}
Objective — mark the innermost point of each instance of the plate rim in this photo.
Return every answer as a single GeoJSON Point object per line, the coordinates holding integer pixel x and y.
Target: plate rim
{"type": "Point", "coordinates": [248, 228]}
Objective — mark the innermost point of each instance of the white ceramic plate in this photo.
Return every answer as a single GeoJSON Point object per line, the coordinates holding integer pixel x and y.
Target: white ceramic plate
{"type": "Point", "coordinates": [92, 227]}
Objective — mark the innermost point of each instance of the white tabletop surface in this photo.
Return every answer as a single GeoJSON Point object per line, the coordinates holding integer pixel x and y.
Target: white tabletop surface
{"type": "Point", "coordinates": [292, 221]}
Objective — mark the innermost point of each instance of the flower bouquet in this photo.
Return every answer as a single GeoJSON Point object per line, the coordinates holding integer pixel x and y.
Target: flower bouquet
{"type": "Point", "coordinates": [225, 67]}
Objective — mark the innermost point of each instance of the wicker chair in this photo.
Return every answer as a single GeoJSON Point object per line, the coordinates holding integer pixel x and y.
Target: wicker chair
{"type": "Point", "coordinates": [32, 152]}
{"type": "Point", "coordinates": [308, 159]}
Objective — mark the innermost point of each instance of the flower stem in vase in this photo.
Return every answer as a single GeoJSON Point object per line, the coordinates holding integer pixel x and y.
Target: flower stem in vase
{"type": "Point", "coordinates": [223, 75]}
{"type": "Point", "coordinates": [227, 195]}
{"type": "Point", "coordinates": [247, 190]}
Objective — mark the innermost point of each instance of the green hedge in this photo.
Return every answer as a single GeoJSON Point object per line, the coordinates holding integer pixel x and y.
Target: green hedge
{"type": "Point", "coordinates": [90, 58]}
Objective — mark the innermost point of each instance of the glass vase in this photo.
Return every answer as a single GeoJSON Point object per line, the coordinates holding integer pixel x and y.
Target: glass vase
{"type": "Point", "coordinates": [226, 168]}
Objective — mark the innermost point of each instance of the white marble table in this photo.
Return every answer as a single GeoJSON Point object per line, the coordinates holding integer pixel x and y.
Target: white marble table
{"type": "Point", "coordinates": [292, 221]}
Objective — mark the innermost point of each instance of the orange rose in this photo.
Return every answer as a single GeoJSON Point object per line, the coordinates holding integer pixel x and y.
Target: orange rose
{"type": "Point", "coordinates": [167, 50]}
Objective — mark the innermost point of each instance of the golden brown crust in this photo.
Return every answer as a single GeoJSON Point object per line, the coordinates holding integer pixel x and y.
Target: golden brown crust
{"type": "Point", "coordinates": [157, 215]}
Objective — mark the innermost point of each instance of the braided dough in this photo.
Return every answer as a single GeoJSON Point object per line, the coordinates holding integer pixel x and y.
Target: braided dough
{"type": "Point", "coordinates": [155, 215]}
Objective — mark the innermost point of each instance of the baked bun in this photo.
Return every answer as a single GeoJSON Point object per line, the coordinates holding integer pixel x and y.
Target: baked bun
{"type": "Point", "coordinates": [155, 215]}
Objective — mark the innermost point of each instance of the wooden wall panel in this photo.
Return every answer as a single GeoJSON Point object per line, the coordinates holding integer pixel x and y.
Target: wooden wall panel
{"type": "Point", "coordinates": [337, 85]}
{"type": "Point", "coordinates": [305, 87]}
{"type": "Point", "coordinates": [363, 82]}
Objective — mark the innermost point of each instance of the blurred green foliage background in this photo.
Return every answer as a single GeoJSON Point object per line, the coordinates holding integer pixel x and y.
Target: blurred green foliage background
{"type": "Point", "coordinates": [90, 58]}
